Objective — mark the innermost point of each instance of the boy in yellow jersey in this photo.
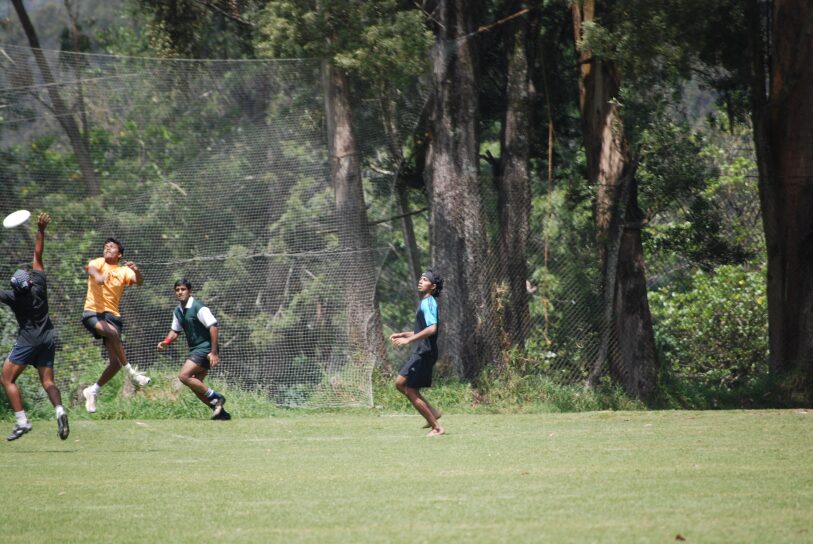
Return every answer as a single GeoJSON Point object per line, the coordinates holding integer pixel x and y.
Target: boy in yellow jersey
{"type": "Point", "coordinates": [106, 282]}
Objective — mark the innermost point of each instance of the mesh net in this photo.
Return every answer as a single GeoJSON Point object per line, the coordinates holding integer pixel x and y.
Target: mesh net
{"type": "Point", "coordinates": [216, 171]}
{"type": "Point", "coordinates": [219, 171]}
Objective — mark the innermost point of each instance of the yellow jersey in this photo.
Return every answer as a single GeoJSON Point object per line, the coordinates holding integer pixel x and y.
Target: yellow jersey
{"type": "Point", "coordinates": [106, 297]}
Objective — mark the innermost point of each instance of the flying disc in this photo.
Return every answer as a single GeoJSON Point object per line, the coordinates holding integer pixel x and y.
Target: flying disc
{"type": "Point", "coordinates": [15, 219]}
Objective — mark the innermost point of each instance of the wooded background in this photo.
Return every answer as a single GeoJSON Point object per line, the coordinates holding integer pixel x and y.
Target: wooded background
{"type": "Point", "coordinates": [616, 192]}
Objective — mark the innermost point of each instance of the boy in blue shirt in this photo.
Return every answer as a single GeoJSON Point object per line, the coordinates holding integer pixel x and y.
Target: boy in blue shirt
{"type": "Point", "coordinates": [417, 372]}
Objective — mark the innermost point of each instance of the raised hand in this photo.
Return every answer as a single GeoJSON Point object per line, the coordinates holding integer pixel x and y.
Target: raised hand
{"type": "Point", "coordinates": [42, 220]}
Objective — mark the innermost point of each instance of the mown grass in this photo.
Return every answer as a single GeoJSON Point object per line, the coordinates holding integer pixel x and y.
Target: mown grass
{"type": "Point", "coordinates": [368, 476]}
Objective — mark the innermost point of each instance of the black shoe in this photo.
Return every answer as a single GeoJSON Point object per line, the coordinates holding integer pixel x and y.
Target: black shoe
{"type": "Point", "coordinates": [18, 431]}
{"type": "Point", "coordinates": [217, 406]}
{"type": "Point", "coordinates": [62, 426]}
{"type": "Point", "coordinates": [222, 416]}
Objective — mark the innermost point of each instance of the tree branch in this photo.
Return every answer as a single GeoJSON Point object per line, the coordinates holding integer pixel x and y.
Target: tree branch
{"type": "Point", "coordinates": [225, 13]}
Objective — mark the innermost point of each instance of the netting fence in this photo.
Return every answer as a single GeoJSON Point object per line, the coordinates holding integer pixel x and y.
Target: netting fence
{"type": "Point", "coordinates": [218, 171]}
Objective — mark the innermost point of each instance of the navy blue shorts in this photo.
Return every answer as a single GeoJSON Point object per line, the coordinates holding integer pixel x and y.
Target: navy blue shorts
{"type": "Point", "coordinates": [199, 358]}
{"type": "Point", "coordinates": [89, 320]}
{"type": "Point", "coordinates": [418, 370]}
{"type": "Point", "coordinates": [41, 355]}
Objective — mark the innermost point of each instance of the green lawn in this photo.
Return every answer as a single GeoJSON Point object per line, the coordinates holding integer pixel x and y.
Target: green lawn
{"type": "Point", "coordinates": [733, 476]}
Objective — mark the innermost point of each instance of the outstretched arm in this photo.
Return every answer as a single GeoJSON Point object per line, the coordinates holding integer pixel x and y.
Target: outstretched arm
{"type": "Point", "coordinates": [39, 244]}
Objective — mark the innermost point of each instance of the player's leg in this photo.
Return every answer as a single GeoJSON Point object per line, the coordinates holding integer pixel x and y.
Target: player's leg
{"type": "Point", "coordinates": [423, 408]}
{"type": "Point", "coordinates": [11, 371]}
{"type": "Point", "coordinates": [115, 349]}
{"type": "Point", "coordinates": [111, 336]}
{"type": "Point", "coordinates": [192, 376]}
{"type": "Point", "coordinates": [49, 385]}
{"type": "Point", "coordinates": [400, 383]}
{"type": "Point", "coordinates": [46, 373]}
{"type": "Point", "coordinates": [434, 411]}
{"type": "Point", "coordinates": [194, 371]}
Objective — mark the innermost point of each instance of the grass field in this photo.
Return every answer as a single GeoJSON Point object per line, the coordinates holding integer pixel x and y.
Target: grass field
{"type": "Point", "coordinates": [727, 476]}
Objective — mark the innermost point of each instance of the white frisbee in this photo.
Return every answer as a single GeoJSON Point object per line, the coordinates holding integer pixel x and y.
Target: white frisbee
{"type": "Point", "coordinates": [15, 219]}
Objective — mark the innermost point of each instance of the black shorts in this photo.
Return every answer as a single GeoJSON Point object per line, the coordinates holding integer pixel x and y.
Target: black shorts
{"type": "Point", "coordinates": [89, 320]}
{"type": "Point", "coordinates": [199, 358]}
{"type": "Point", "coordinates": [41, 355]}
{"type": "Point", "coordinates": [418, 370]}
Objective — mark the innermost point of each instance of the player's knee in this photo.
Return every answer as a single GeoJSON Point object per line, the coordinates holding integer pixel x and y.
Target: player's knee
{"type": "Point", "coordinates": [185, 378]}
{"type": "Point", "coordinates": [108, 332]}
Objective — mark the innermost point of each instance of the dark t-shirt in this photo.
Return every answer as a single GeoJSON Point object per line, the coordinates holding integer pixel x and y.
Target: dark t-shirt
{"type": "Point", "coordinates": [426, 316]}
{"type": "Point", "coordinates": [31, 311]}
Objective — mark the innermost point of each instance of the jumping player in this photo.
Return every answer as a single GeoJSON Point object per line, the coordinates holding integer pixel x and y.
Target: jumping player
{"type": "Point", "coordinates": [200, 327]}
{"type": "Point", "coordinates": [106, 282]}
{"type": "Point", "coordinates": [35, 343]}
{"type": "Point", "coordinates": [417, 372]}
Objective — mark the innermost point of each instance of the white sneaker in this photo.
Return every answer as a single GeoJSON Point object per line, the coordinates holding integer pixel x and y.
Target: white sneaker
{"type": "Point", "coordinates": [140, 378]}
{"type": "Point", "coordinates": [90, 399]}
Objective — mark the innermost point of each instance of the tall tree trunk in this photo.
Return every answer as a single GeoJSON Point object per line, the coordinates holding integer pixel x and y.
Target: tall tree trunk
{"type": "Point", "coordinates": [390, 113]}
{"type": "Point", "coordinates": [783, 133]}
{"type": "Point", "coordinates": [61, 111]}
{"type": "Point", "coordinates": [364, 329]}
{"type": "Point", "coordinates": [514, 182]}
{"type": "Point", "coordinates": [628, 320]}
{"type": "Point", "coordinates": [637, 365]}
{"type": "Point", "coordinates": [469, 337]}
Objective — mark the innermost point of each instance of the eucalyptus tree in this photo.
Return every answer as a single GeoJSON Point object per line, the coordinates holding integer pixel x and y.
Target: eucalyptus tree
{"type": "Point", "coordinates": [514, 166]}
{"type": "Point", "coordinates": [64, 113]}
{"type": "Point", "coordinates": [345, 34]}
{"type": "Point", "coordinates": [470, 334]}
{"type": "Point", "coordinates": [611, 168]}
{"type": "Point", "coordinates": [781, 86]}
{"type": "Point", "coordinates": [756, 54]}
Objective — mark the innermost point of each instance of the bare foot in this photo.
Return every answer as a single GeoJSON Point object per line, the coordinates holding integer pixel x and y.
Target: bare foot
{"type": "Point", "coordinates": [436, 432]}
{"type": "Point", "coordinates": [428, 426]}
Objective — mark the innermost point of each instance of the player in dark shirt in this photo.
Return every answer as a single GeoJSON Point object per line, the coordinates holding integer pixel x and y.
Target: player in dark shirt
{"type": "Point", "coordinates": [35, 343]}
{"type": "Point", "coordinates": [417, 372]}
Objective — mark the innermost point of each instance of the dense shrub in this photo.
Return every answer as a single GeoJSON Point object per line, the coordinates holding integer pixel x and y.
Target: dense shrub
{"type": "Point", "coordinates": [717, 330]}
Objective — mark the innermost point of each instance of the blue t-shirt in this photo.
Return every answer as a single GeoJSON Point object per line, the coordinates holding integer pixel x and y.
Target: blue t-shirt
{"type": "Point", "coordinates": [426, 316]}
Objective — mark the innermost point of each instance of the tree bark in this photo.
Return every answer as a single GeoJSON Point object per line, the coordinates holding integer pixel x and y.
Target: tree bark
{"type": "Point", "coordinates": [65, 117]}
{"type": "Point", "coordinates": [364, 329]}
{"type": "Point", "coordinates": [469, 337]}
{"type": "Point", "coordinates": [628, 322]}
{"type": "Point", "coordinates": [782, 85]}
{"type": "Point", "coordinates": [389, 111]}
{"type": "Point", "coordinates": [514, 183]}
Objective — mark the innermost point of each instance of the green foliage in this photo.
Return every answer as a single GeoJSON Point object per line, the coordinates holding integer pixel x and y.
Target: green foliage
{"type": "Point", "coordinates": [716, 330]}
{"type": "Point", "coordinates": [373, 39]}
{"type": "Point", "coordinates": [519, 389]}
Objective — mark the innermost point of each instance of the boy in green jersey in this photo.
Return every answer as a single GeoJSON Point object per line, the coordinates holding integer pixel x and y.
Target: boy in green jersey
{"type": "Point", "coordinates": [200, 327]}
